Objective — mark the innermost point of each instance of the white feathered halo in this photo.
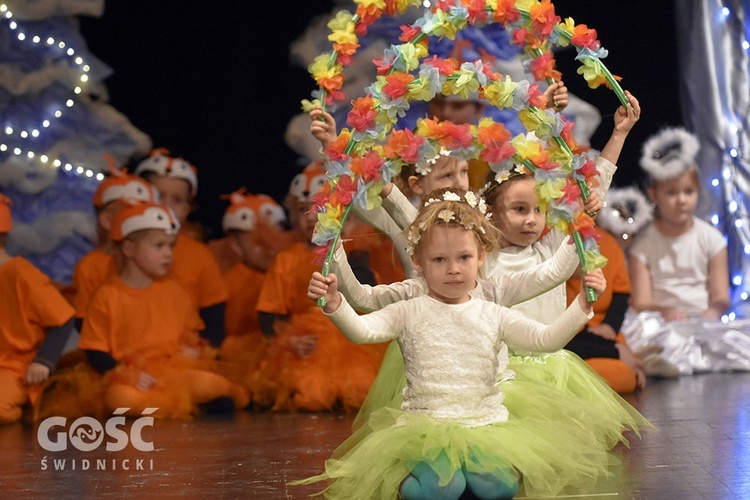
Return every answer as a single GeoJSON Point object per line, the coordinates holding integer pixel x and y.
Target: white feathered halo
{"type": "Point", "coordinates": [669, 154]}
{"type": "Point", "coordinates": [625, 212]}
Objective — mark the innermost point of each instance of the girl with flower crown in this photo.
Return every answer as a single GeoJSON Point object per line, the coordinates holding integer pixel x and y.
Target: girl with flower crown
{"type": "Point", "coordinates": [456, 428]}
{"type": "Point", "coordinates": [678, 267]}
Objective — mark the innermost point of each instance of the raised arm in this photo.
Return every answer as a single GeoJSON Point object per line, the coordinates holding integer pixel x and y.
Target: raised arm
{"type": "Point", "coordinates": [520, 286]}
{"type": "Point", "coordinates": [380, 326]}
{"type": "Point", "coordinates": [365, 298]}
{"type": "Point", "coordinates": [399, 207]}
{"type": "Point", "coordinates": [519, 332]}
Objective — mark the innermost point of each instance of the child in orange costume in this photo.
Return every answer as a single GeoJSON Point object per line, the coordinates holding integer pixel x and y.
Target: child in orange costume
{"type": "Point", "coordinates": [600, 343]}
{"type": "Point", "coordinates": [250, 223]}
{"type": "Point", "coordinates": [35, 322]}
{"type": "Point", "coordinates": [194, 267]}
{"type": "Point", "coordinates": [144, 351]}
{"type": "Point", "coordinates": [310, 365]}
{"type": "Point", "coordinates": [99, 264]}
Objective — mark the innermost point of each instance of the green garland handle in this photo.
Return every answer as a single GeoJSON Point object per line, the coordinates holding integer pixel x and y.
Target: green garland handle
{"type": "Point", "coordinates": [328, 262]}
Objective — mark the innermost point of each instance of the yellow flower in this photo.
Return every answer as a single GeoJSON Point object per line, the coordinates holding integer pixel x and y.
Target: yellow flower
{"type": "Point", "coordinates": [594, 260]}
{"type": "Point", "coordinates": [419, 90]}
{"type": "Point", "coordinates": [342, 20]}
{"type": "Point", "coordinates": [569, 26]}
{"type": "Point", "coordinates": [500, 94]}
{"type": "Point", "coordinates": [380, 4]}
{"type": "Point", "coordinates": [344, 36]}
{"type": "Point", "coordinates": [536, 121]}
{"type": "Point", "coordinates": [524, 148]}
{"type": "Point", "coordinates": [550, 189]}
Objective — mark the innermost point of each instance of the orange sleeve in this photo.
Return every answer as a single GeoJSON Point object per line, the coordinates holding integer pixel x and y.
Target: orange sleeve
{"type": "Point", "coordinates": [96, 334]}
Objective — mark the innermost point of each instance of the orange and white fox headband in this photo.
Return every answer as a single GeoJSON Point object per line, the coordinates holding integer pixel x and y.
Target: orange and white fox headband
{"type": "Point", "coordinates": [123, 186]}
{"type": "Point", "coordinates": [246, 210]}
{"type": "Point", "coordinates": [161, 163]}
{"type": "Point", "coordinates": [309, 182]}
{"type": "Point", "coordinates": [138, 216]}
{"type": "Point", "coordinates": [6, 223]}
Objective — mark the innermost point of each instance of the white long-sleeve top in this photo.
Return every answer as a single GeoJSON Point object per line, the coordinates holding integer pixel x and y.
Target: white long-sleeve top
{"type": "Point", "coordinates": [451, 351]}
{"type": "Point", "coordinates": [547, 306]}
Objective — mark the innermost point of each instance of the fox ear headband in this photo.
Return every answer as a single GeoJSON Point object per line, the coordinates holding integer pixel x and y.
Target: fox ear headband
{"type": "Point", "coordinates": [669, 154]}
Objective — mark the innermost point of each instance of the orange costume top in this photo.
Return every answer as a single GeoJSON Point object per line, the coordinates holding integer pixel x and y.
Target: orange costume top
{"type": "Point", "coordinates": [285, 289]}
{"type": "Point", "coordinates": [243, 287]}
{"type": "Point", "coordinates": [195, 268]}
{"type": "Point", "coordinates": [148, 322]}
{"type": "Point", "coordinates": [30, 304]}
{"type": "Point", "coordinates": [616, 273]}
{"type": "Point", "coordinates": [92, 270]}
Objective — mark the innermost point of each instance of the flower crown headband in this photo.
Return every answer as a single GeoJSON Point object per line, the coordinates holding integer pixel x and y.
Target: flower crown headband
{"type": "Point", "coordinates": [447, 216]}
{"type": "Point", "coordinates": [500, 177]}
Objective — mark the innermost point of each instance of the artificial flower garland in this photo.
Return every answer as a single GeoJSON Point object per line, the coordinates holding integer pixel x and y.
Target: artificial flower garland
{"type": "Point", "coordinates": [366, 156]}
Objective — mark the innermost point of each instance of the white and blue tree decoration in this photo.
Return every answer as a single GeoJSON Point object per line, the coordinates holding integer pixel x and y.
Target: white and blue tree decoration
{"type": "Point", "coordinates": [55, 126]}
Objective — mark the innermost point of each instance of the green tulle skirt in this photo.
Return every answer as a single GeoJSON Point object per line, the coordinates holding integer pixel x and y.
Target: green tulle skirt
{"type": "Point", "coordinates": [564, 420]}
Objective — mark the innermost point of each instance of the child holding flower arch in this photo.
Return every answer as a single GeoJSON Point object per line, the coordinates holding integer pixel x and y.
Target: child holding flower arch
{"type": "Point", "coordinates": [453, 431]}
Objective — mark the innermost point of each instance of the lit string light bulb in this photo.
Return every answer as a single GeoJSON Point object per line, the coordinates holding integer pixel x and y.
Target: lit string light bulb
{"type": "Point", "coordinates": [10, 134]}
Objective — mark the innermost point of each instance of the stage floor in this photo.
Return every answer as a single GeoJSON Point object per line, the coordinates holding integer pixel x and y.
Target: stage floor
{"type": "Point", "coordinates": [701, 450]}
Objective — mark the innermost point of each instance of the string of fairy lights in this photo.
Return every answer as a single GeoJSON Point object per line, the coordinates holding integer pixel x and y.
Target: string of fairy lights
{"type": "Point", "coordinates": [18, 139]}
{"type": "Point", "coordinates": [728, 186]}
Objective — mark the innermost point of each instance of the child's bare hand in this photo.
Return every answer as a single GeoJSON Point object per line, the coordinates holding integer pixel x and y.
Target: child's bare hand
{"type": "Point", "coordinates": [323, 130]}
{"type": "Point", "coordinates": [303, 345]}
{"type": "Point", "coordinates": [593, 204]}
{"type": "Point", "coordinates": [634, 362]}
{"type": "Point", "coordinates": [557, 96]}
{"type": "Point", "coordinates": [325, 286]}
{"type": "Point", "coordinates": [673, 315]}
{"type": "Point", "coordinates": [190, 352]}
{"type": "Point", "coordinates": [36, 372]}
{"type": "Point", "coordinates": [626, 118]}
{"type": "Point", "coordinates": [145, 381]}
{"type": "Point", "coordinates": [604, 330]}
{"type": "Point", "coordinates": [592, 279]}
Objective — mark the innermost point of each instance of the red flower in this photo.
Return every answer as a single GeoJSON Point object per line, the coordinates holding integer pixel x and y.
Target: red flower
{"type": "Point", "coordinates": [396, 85]}
{"type": "Point", "coordinates": [404, 144]}
{"type": "Point", "coordinates": [519, 37]}
{"type": "Point", "coordinates": [345, 190]}
{"type": "Point", "coordinates": [336, 149]}
{"type": "Point", "coordinates": [543, 18]}
{"type": "Point", "coordinates": [368, 166]}
{"type": "Point", "coordinates": [506, 12]}
{"type": "Point", "coordinates": [584, 37]}
{"type": "Point", "coordinates": [408, 33]}
{"type": "Point", "coordinates": [571, 193]}
{"type": "Point", "coordinates": [588, 170]}
{"type": "Point", "coordinates": [543, 67]}
{"type": "Point", "coordinates": [322, 196]}
{"type": "Point", "coordinates": [450, 135]}
{"type": "Point", "coordinates": [477, 11]}
{"type": "Point", "coordinates": [362, 115]}
{"type": "Point", "coordinates": [536, 98]}
{"type": "Point", "coordinates": [345, 52]}
{"type": "Point", "coordinates": [320, 253]}
{"type": "Point", "coordinates": [495, 139]}
{"type": "Point", "coordinates": [446, 67]}
{"type": "Point", "coordinates": [367, 15]}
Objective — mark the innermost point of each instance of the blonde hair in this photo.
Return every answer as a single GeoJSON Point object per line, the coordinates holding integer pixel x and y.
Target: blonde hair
{"type": "Point", "coordinates": [453, 208]}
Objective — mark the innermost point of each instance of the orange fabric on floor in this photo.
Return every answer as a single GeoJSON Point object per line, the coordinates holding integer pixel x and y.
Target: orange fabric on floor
{"type": "Point", "coordinates": [337, 371]}
{"type": "Point", "coordinates": [619, 376]}
{"type": "Point", "coordinates": [12, 397]}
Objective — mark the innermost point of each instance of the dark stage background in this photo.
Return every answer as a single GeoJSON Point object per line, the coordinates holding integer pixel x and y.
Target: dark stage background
{"type": "Point", "coordinates": [213, 82]}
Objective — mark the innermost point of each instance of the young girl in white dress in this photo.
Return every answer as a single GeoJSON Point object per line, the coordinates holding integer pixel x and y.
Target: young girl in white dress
{"type": "Point", "coordinates": [457, 428]}
{"type": "Point", "coordinates": [679, 272]}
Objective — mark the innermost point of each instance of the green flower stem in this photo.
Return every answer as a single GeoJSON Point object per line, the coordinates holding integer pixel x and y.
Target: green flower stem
{"type": "Point", "coordinates": [328, 262]}
{"type": "Point", "coordinates": [591, 295]}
